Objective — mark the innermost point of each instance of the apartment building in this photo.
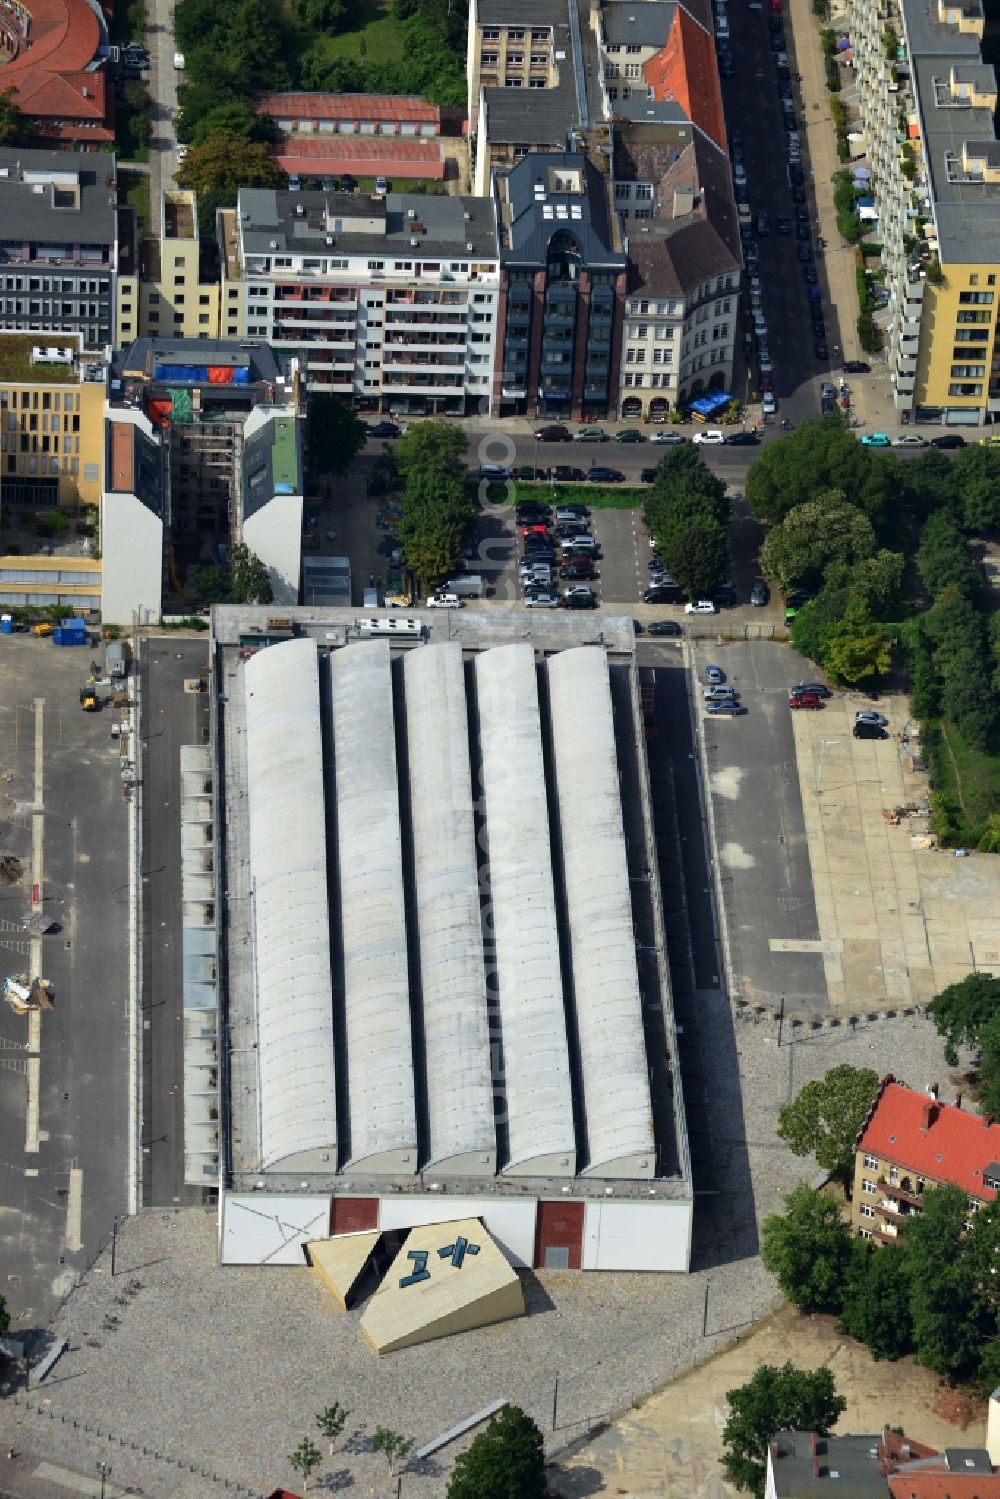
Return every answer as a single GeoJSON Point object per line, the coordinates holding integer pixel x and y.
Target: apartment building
{"type": "Point", "coordinates": [178, 291]}
{"type": "Point", "coordinates": [629, 36]}
{"type": "Point", "coordinates": [515, 44]}
{"type": "Point", "coordinates": [884, 1464]}
{"type": "Point", "coordinates": [673, 195]}
{"type": "Point", "coordinates": [563, 277]}
{"type": "Point", "coordinates": [63, 244]}
{"type": "Point", "coordinates": [51, 405]}
{"type": "Point", "coordinates": [202, 447]}
{"type": "Point", "coordinates": [388, 302]}
{"type": "Point", "coordinates": [928, 103]}
{"type": "Point", "coordinates": [52, 60]}
{"type": "Point", "coordinates": [911, 1141]}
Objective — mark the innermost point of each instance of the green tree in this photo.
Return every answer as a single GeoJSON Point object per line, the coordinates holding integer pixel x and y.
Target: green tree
{"type": "Point", "coordinates": [322, 15]}
{"type": "Point", "coordinates": [231, 117]}
{"type": "Point", "coordinates": [211, 585]}
{"type": "Point", "coordinates": [875, 1300]}
{"type": "Point", "coordinates": [432, 443]}
{"type": "Point", "coordinates": [950, 1330]}
{"type": "Point", "coordinates": [825, 1116]}
{"type": "Point", "coordinates": [857, 648]}
{"type": "Point", "coordinates": [251, 582]}
{"type": "Point", "coordinates": [876, 583]}
{"type": "Point", "coordinates": [15, 130]}
{"type": "Point", "coordinates": [217, 167]}
{"type": "Point", "coordinates": [816, 457]}
{"type": "Point", "coordinates": [785, 1399]}
{"type": "Point", "coordinates": [437, 509]}
{"type": "Point", "coordinates": [814, 535]}
{"type": "Point", "coordinates": [943, 556]}
{"type": "Point", "coordinates": [684, 484]}
{"type": "Point", "coordinates": [976, 478]}
{"type": "Point", "coordinates": [394, 1447]}
{"type": "Point", "coordinates": [963, 1010]}
{"type": "Point", "coordinates": [331, 1421]}
{"type": "Point", "coordinates": [695, 551]}
{"type": "Point", "coordinates": [140, 124]}
{"type": "Point", "coordinates": [506, 1461]}
{"type": "Point", "coordinates": [336, 436]}
{"type": "Point", "coordinates": [305, 1460]}
{"type": "Point", "coordinates": [807, 1248]}
{"type": "Point", "coordinates": [989, 1065]}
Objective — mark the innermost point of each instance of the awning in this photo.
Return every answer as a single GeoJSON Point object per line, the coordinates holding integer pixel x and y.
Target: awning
{"type": "Point", "coordinates": [709, 404]}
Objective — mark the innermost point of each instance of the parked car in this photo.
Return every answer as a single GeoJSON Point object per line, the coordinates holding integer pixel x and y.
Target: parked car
{"type": "Point", "coordinates": [714, 676]}
{"type": "Point", "coordinates": [630, 434]}
{"type": "Point", "coordinates": [875, 440]}
{"type": "Point", "coordinates": [381, 186]}
{"type": "Point", "coordinates": [664, 627]}
{"type": "Point", "coordinates": [564, 473]}
{"type": "Point", "coordinates": [725, 597]}
{"type": "Point", "coordinates": [862, 729]}
{"type": "Point", "coordinates": [868, 715]}
{"type": "Point", "coordinates": [855, 367]}
{"type": "Point", "coordinates": [666, 434]}
{"type": "Point", "coordinates": [581, 568]}
{"type": "Point", "coordinates": [592, 434]}
{"type": "Point", "coordinates": [383, 429]}
{"type": "Point", "coordinates": [805, 700]}
{"type": "Point", "coordinates": [716, 694]}
{"type": "Point", "coordinates": [726, 705]}
{"type": "Point", "coordinates": [492, 471]}
{"type": "Point", "coordinates": [948, 440]}
{"type": "Point", "coordinates": [648, 476]}
{"type": "Point", "coordinates": [527, 474]}
{"type": "Point", "coordinates": [741, 439]}
{"type": "Point", "coordinates": [760, 594]}
{"type": "Point", "coordinates": [553, 432]}
{"type": "Point", "coordinates": [713, 437]}
{"type": "Point", "coordinates": [821, 351]}
{"type": "Point", "coordinates": [768, 404]}
{"type": "Point", "coordinates": [909, 440]}
{"type": "Point", "coordinates": [818, 689]}
{"type": "Point", "coordinates": [542, 601]}
{"type": "Point", "coordinates": [444, 601]}
{"type": "Point", "coordinates": [605, 476]}
{"type": "Point", "coordinates": [662, 594]}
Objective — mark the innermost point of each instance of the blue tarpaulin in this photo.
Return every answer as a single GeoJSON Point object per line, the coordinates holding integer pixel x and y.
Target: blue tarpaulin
{"type": "Point", "coordinates": [709, 404]}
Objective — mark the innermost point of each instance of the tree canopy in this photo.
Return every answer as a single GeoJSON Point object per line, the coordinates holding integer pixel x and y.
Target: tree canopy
{"type": "Point", "coordinates": [807, 1249]}
{"type": "Point", "coordinates": [963, 1010]}
{"type": "Point", "coordinates": [950, 1264]}
{"type": "Point", "coordinates": [875, 1301]}
{"type": "Point", "coordinates": [218, 166]}
{"type": "Point", "coordinates": [785, 1399]}
{"type": "Point", "coordinates": [336, 435]}
{"type": "Point", "coordinates": [687, 514]}
{"type": "Point", "coordinates": [825, 1116]}
{"type": "Point", "coordinates": [812, 536]}
{"type": "Point", "coordinates": [437, 510]}
{"type": "Point", "coordinates": [250, 580]}
{"type": "Point", "coordinates": [816, 457]}
{"type": "Point", "coordinates": [506, 1461]}
{"type": "Point", "coordinates": [15, 130]}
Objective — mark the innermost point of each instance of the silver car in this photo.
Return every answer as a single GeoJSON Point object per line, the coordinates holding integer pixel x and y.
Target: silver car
{"type": "Point", "coordinates": [541, 601]}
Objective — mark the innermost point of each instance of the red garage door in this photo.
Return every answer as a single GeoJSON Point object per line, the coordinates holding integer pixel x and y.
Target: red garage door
{"type": "Point", "coordinates": [559, 1236]}
{"type": "Point", "coordinates": [353, 1215]}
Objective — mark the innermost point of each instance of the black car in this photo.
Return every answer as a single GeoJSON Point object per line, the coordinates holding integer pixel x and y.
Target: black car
{"type": "Point", "coordinates": [581, 511]}
{"type": "Point", "coordinates": [528, 475]}
{"type": "Point", "coordinates": [802, 231]}
{"type": "Point", "coordinates": [725, 597]}
{"type": "Point", "coordinates": [648, 476]}
{"type": "Point", "coordinates": [759, 593]}
{"type": "Point", "coordinates": [820, 689]}
{"type": "Point", "coordinates": [777, 41]}
{"type": "Point", "coordinates": [821, 350]}
{"type": "Point", "coordinates": [796, 176]}
{"type": "Point", "coordinates": [784, 226]}
{"type": "Point", "coordinates": [811, 275]}
{"type": "Point", "coordinates": [864, 730]}
{"type": "Point", "coordinates": [796, 599]}
{"type": "Point", "coordinates": [798, 195]}
{"type": "Point", "coordinates": [805, 253]}
{"type": "Point", "coordinates": [563, 473]}
{"type": "Point", "coordinates": [581, 569]}
{"type": "Point", "coordinates": [661, 595]}
{"type": "Point", "coordinates": [663, 627]}
{"type": "Point", "coordinates": [348, 184]}
{"type": "Point", "coordinates": [382, 429]}
{"type": "Point", "coordinates": [553, 432]}
{"type": "Point", "coordinates": [855, 367]}
{"type": "Point", "coordinates": [741, 439]}
{"type": "Point", "coordinates": [605, 476]}
{"type": "Point", "coordinates": [579, 601]}
{"type": "Point", "coordinates": [948, 440]}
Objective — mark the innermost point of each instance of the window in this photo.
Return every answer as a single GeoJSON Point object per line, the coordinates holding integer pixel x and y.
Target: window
{"type": "Point", "coordinates": [644, 190]}
{"type": "Point", "coordinates": [870, 1163]}
{"type": "Point", "coordinates": [539, 59]}
{"type": "Point", "coordinates": [612, 70]}
{"type": "Point", "coordinates": [974, 280]}
{"type": "Point", "coordinates": [516, 34]}
{"type": "Point", "coordinates": [983, 298]}
{"type": "Point", "coordinates": [870, 1187]}
{"type": "Point", "coordinates": [633, 47]}
{"type": "Point", "coordinates": [965, 390]}
{"type": "Point", "coordinates": [991, 281]}
{"type": "Point", "coordinates": [971, 336]}
{"type": "Point", "coordinates": [515, 59]}
{"type": "Point", "coordinates": [536, 83]}
{"type": "Point", "coordinates": [866, 1210]}
{"type": "Point", "coordinates": [967, 371]}
{"type": "Point", "coordinates": [616, 47]}
{"type": "Point", "coordinates": [512, 82]}
{"type": "Point", "coordinates": [491, 59]}
{"type": "Point", "coordinates": [631, 70]}
{"type": "Point", "coordinates": [974, 317]}
{"type": "Point", "coordinates": [864, 1233]}
{"type": "Point", "coordinates": [491, 34]}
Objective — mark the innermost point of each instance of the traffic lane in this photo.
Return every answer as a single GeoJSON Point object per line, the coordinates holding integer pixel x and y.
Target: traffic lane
{"type": "Point", "coordinates": [764, 869]}
{"type": "Point", "coordinates": [730, 461]}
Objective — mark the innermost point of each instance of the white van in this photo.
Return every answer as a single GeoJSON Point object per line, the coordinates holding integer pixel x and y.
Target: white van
{"type": "Point", "coordinates": [444, 601]}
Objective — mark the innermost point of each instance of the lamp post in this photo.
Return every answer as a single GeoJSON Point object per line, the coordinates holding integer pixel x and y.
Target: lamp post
{"type": "Point", "coordinates": [104, 1469]}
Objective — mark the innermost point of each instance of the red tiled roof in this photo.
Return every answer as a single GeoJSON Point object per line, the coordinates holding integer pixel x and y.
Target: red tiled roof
{"type": "Point", "coordinates": [955, 1147]}
{"type": "Point", "coordinates": [685, 69]}
{"type": "Point", "coordinates": [349, 107]}
{"type": "Point", "coordinates": [366, 155]}
{"type": "Point", "coordinates": [947, 1485]}
{"type": "Point", "coordinates": [47, 70]}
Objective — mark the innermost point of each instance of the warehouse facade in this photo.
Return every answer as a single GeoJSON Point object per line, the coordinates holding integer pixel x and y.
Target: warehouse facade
{"type": "Point", "coordinates": [439, 924]}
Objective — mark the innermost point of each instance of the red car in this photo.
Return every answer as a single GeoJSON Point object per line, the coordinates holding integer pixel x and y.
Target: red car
{"type": "Point", "coordinates": [805, 700]}
{"type": "Point", "coordinates": [538, 530]}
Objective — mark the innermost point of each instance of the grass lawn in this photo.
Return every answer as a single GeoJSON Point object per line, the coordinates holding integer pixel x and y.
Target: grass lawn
{"type": "Point", "coordinates": [376, 39]}
{"type": "Point", "coordinates": [968, 780]}
{"type": "Point", "coordinates": [133, 188]}
{"type": "Point", "coordinates": [614, 497]}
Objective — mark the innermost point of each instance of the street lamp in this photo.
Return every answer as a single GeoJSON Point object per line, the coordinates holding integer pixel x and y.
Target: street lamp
{"type": "Point", "coordinates": [104, 1469]}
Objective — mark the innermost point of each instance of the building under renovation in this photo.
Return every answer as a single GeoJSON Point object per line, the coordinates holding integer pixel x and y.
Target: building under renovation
{"type": "Point", "coordinates": [203, 448]}
{"type": "Point", "coordinates": [422, 906]}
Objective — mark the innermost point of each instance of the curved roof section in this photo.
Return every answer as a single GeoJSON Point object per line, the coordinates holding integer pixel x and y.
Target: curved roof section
{"type": "Point", "coordinates": [298, 1109]}
{"type": "Point", "coordinates": [608, 1005]}
{"type": "Point", "coordinates": [536, 1077]}
{"type": "Point", "coordinates": [64, 36]}
{"type": "Point", "coordinates": [462, 1135]}
{"type": "Point", "coordinates": [383, 1129]}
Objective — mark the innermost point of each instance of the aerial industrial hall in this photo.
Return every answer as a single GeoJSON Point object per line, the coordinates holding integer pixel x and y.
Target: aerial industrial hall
{"type": "Point", "coordinates": [439, 927]}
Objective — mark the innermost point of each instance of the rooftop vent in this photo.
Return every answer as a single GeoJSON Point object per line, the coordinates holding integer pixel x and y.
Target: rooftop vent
{"type": "Point", "coordinates": [414, 242]}
{"type": "Point", "coordinates": [468, 245]}
{"type": "Point", "coordinates": [273, 244]}
{"type": "Point", "coordinates": [411, 213]}
{"type": "Point", "coordinates": [299, 210]}
{"type": "Point", "coordinates": [329, 239]}
{"type": "Point", "coordinates": [467, 217]}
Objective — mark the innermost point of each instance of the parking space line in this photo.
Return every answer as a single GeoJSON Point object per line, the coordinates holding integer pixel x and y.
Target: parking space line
{"type": "Point", "coordinates": [74, 1211]}
{"type": "Point", "coordinates": [31, 1123]}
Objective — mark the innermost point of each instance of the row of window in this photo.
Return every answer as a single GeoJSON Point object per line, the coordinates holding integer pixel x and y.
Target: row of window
{"type": "Point", "coordinates": [516, 59]}
{"type": "Point", "coordinates": [632, 47]}
{"type": "Point", "coordinates": [516, 34]}
{"type": "Point", "coordinates": [632, 70]}
{"type": "Point", "coordinates": [33, 465]}
{"type": "Point", "coordinates": [28, 400]}
{"type": "Point", "coordinates": [76, 286]}
{"type": "Point", "coordinates": [633, 382]}
{"type": "Point", "coordinates": [626, 190]}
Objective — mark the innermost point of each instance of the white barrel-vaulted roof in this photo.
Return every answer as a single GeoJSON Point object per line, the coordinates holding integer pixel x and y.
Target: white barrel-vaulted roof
{"type": "Point", "coordinates": [291, 921]}
{"type": "Point", "coordinates": [525, 938]}
{"type": "Point", "coordinates": [619, 1122]}
{"type": "Point", "coordinates": [461, 1132]}
{"type": "Point", "coordinates": [383, 1128]}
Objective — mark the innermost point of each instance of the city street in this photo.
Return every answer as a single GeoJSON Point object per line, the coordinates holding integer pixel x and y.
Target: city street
{"type": "Point", "coordinates": [163, 80]}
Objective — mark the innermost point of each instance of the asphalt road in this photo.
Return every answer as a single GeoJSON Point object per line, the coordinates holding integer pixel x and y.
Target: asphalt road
{"type": "Point", "coordinates": [51, 1223]}
{"type": "Point", "coordinates": [171, 718]}
{"type": "Point", "coordinates": [760, 830]}
{"type": "Point", "coordinates": [163, 79]}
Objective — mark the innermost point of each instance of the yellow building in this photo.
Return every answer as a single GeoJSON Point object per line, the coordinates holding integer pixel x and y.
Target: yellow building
{"type": "Point", "coordinates": [51, 422]}
{"type": "Point", "coordinates": [178, 294]}
{"type": "Point", "coordinates": [959, 364]}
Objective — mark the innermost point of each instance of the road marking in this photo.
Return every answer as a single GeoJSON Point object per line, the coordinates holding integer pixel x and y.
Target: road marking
{"type": "Point", "coordinates": [31, 1123]}
{"type": "Point", "coordinates": [32, 1102]}
{"type": "Point", "coordinates": [831, 947]}
{"type": "Point", "coordinates": [74, 1211]}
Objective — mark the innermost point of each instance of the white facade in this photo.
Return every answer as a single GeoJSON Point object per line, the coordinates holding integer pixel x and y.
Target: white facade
{"type": "Point", "coordinates": [131, 560]}
{"type": "Point", "coordinates": [670, 345]}
{"type": "Point", "coordinates": [273, 534]}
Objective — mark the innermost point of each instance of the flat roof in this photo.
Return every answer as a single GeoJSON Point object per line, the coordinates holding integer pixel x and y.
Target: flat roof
{"type": "Point", "coordinates": [31, 215]}
{"type": "Point", "coordinates": [402, 728]}
{"type": "Point", "coordinates": [646, 22]}
{"type": "Point", "coordinates": [16, 367]}
{"type": "Point", "coordinates": [272, 223]}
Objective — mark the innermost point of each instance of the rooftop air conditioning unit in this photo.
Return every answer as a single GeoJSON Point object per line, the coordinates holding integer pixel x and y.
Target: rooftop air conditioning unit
{"type": "Point", "coordinates": [414, 242]}
{"type": "Point", "coordinates": [329, 239]}
{"type": "Point", "coordinates": [468, 245]}
{"type": "Point", "coordinates": [273, 244]}
{"type": "Point", "coordinates": [299, 210]}
{"type": "Point", "coordinates": [467, 217]}
{"type": "Point", "coordinates": [411, 213]}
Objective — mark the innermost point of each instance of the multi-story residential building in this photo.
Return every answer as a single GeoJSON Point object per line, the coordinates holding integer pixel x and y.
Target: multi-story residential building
{"type": "Point", "coordinates": [63, 244]}
{"type": "Point", "coordinates": [563, 276]}
{"type": "Point", "coordinates": [910, 1141]}
{"type": "Point", "coordinates": [629, 36]}
{"type": "Point", "coordinates": [878, 1465]}
{"type": "Point", "coordinates": [53, 62]}
{"type": "Point", "coordinates": [928, 104]}
{"type": "Point", "coordinates": [673, 194]}
{"type": "Point", "coordinates": [179, 289]}
{"type": "Point", "coordinates": [389, 302]}
{"type": "Point", "coordinates": [202, 448]}
{"type": "Point", "coordinates": [51, 404]}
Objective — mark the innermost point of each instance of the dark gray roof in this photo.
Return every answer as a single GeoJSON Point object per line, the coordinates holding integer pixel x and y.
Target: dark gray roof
{"type": "Point", "coordinates": [526, 230]}
{"type": "Point", "coordinates": [655, 111]}
{"type": "Point", "coordinates": [298, 223]}
{"type": "Point", "coordinates": [32, 216]}
{"type": "Point", "coordinates": [847, 1466]}
{"type": "Point", "coordinates": [532, 117]}
{"type": "Point", "coordinates": [521, 12]}
{"type": "Point", "coordinates": [674, 253]}
{"type": "Point", "coordinates": [144, 354]}
{"type": "Point", "coordinates": [968, 1460]}
{"type": "Point", "coordinates": [646, 22]}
